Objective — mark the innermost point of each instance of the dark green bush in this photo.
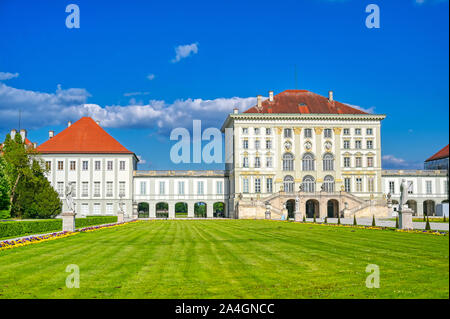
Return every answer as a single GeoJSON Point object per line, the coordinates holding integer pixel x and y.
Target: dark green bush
{"type": "Point", "coordinates": [354, 220]}
{"type": "Point", "coordinates": [427, 225]}
{"type": "Point", "coordinates": [373, 221]}
{"type": "Point", "coordinates": [94, 220]}
{"type": "Point", "coordinates": [396, 222]}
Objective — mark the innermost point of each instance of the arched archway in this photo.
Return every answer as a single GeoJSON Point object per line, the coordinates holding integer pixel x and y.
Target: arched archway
{"type": "Point", "coordinates": [312, 208]}
{"type": "Point", "coordinates": [413, 205]}
{"type": "Point", "coordinates": [288, 184]}
{"type": "Point", "coordinates": [181, 210]}
{"type": "Point", "coordinates": [290, 206]}
{"type": "Point", "coordinates": [333, 208]}
{"type": "Point", "coordinates": [219, 209]}
{"type": "Point", "coordinates": [143, 210]}
{"type": "Point", "coordinates": [162, 210]}
{"type": "Point", "coordinates": [200, 210]}
{"type": "Point", "coordinates": [429, 208]}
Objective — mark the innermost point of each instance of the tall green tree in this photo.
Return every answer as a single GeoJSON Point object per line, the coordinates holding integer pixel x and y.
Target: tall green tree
{"type": "Point", "coordinates": [5, 190]}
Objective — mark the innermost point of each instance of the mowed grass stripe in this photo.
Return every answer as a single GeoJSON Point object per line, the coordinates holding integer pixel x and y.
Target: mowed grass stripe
{"type": "Point", "coordinates": [229, 259]}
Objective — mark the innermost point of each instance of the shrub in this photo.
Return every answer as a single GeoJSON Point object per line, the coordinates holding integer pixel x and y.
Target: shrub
{"type": "Point", "coordinates": [373, 221]}
{"type": "Point", "coordinates": [94, 220]}
{"type": "Point", "coordinates": [354, 221]}
{"type": "Point", "coordinates": [23, 228]}
{"type": "Point", "coordinates": [396, 222]}
{"type": "Point", "coordinates": [427, 225]}
{"type": "Point", "coordinates": [304, 218]}
{"type": "Point", "coordinates": [326, 219]}
{"type": "Point", "coordinates": [4, 214]}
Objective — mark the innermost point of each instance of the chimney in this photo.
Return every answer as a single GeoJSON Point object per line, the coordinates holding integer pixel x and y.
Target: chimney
{"type": "Point", "coordinates": [13, 133]}
{"type": "Point", "coordinates": [271, 96]}
{"type": "Point", "coordinates": [330, 96]}
{"type": "Point", "coordinates": [34, 145]}
{"type": "Point", "coordinates": [259, 99]}
{"type": "Point", "coordinates": [51, 134]}
{"type": "Point", "coordinates": [69, 123]}
{"type": "Point", "coordinates": [235, 110]}
{"type": "Point", "coordinates": [23, 135]}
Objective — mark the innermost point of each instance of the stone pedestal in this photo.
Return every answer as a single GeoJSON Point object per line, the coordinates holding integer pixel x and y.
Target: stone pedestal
{"type": "Point", "coordinates": [68, 219]}
{"type": "Point", "coordinates": [298, 217]}
{"type": "Point", "coordinates": [120, 218]}
{"type": "Point", "coordinates": [284, 214]}
{"type": "Point", "coordinates": [268, 215]}
{"type": "Point", "coordinates": [405, 219]}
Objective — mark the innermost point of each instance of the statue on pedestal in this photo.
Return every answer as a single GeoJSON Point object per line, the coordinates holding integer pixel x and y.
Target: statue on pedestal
{"type": "Point", "coordinates": [69, 198]}
{"type": "Point", "coordinates": [404, 186]}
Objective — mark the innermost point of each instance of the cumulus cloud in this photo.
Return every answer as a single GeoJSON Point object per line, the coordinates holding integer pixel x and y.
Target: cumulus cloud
{"type": "Point", "coordinates": [151, 76]}
{"type": "Point", "coordinates": [8, 75]}
{"type": "Point", "coordinates": [393, 162]}
{"type": "Point", "coordinates": [71, 104]}
{"type": "Point", "coordinates": [141, 160]}
{"type": "Point", "coordinates": [183, 51]}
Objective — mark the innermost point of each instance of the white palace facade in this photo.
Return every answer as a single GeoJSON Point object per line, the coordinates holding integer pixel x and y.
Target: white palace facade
{"type": "Point", "coordinates": [294, 145]}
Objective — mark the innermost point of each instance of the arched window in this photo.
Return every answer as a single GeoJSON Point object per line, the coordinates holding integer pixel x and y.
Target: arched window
{"type": "Point", "coordinates": [308, 162]}
{"type": "Point", "coordinates": [328, 184]}
{"type": "Point", "coordinates": [288, 162]}
{"type": "Point", "coordinates": [288, 184]}
{"type": "Point", "coordinates": [308, 184]}
{"type": "Point", "coordinates": [328, 162]}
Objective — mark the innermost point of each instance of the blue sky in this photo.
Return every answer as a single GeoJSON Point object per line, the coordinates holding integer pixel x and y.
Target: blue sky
{"type": "Point", "coordinates": [120, 66]}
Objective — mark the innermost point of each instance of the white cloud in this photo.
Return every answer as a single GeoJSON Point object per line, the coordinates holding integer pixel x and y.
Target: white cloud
{"type": "Point", "coordinates": [183, 51]}
{"type": "Point", "coordinates": [136, 93]}
{"type": "Point", "coordinates": [392, 162]}
{"type": "Point", "coordinates": [8, 75]}
{"type": "Point", "coordinates": [141, 160]}
{"type": "Point", "coordinates": [71, 104]}
{"type": "Point", "coordinates": [420, 2]}
{"type": "Point", "coordinates": [151, 76]}
{"type": "Point", "coordinates": [370, 110]}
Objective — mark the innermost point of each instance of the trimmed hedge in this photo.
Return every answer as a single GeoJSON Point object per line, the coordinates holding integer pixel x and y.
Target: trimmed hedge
{"type": "Point", "coordinates": [23, 228]}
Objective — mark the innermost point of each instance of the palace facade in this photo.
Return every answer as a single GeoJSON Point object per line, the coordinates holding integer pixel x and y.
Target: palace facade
{"type": "Point", "coordinates": [296, 145]}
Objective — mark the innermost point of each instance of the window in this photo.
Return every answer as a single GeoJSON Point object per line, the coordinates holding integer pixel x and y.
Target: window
{"type": "Point", "coordinates": [109, 209]}
{"type": "Point", "coordinates": [60, 189]}
{"type": "Point", "coordinates": [74, 189]}
{"type": "Point", "coordinates": [347, 144]}
{"type": "Point", "coordinates": [357, 131]}
{"type": "Point", "coordinates": [346, 161]}
{"type": "Point", "coordinates": [287, 133]}
{"type": "Point", "coordinates": [346, 131]}
{"type": "Point", "coordinates": [411, 187]}
{"type": "Point", "coordinates": [73, 165]}
{"type": "Point", "coordinates": [369, 131]}
{"type": "Point", "coordinates": [358, 161]}
{"type": "Point", "coordinates": [347, 183]}
{"type": "Point", "coordinates": [358, 144]}
{"type": "Point", "coordinates": [257, 185]}
{"type": "Point", "coordinates": [96, 189]}
{"type": "Point", "coordinates": [245, 144]}
{"type": "Point", "coordinates": [219, 186]}
{"type": "Point", "coordinates": [371, 184]}
{"type": "Point", "coordinates": [84, 189]}
{"type": "Point", "coordinates": [268, 144]}
{"type": "Point", "coordinates": [257, 162]}
{"type": "Point", "coordinates": [85, 209]}
{"type": "Point", "coordinates": [109, 189]}
{"type": "Point", "coordinates": [269, 162]}
{"type": "Point", "coordinates": [308, 162]}
{"type": "Point", "coordinates": [109, 165]}
{"type": "Point", "coordinates": [143, 188]}
{"type": "Point", "coordinates": [308, 184]}
{"type": "Point", "coordinates": [359, 184]}
{"type": "Point", "coordinates": [308, 133]}
{"type": "Point", "coordinates": [369, 144]}
{"type": "Point", "coordinates": [85, 165]}
{"type": "Point", "coordinates": [257, 144]}
{"type": "Point", "coordinates": [288, 162]}
{"type": "Point", "coordinates": [392, 187]}
{"type": "Point", "coordinates": [200, 190]}
{"type": "Point", "coordinates": [269, 185]}
{"type": "Point", "coordinates": [328, 162]}
{"type": "Point", "coordinates": [48, 165]}
{"type": "Point", "coordinates": [370, 162]}
{"type": "Point", "coordinates": [122, 165]}
{"type": "Point", "coordinates": [288, 184]}
{"type": "Point", "coordinates": [428, 187]}
{"type": "Point", "coordinates": [60, 165]}
{"type": "Point", "coordinates": [121, 188]}
{"type": "Point", "coordinates": [245, 162]}
{"type": "Point", "coordinates": [97, 165]}
{"type": "Point", "coordinates": [256, 131]}
{"type": "Point", "coordinates": [97, 209]}
{"type": "Point", "coordinates": [268, 131]}
{"type": "Point", "coordinates": [328, 184]}
{"type": "Point", "coordinates": [327, 133]}
{"type": "Point", "coordinates": [244, 130]}
{"type": "Point", "coordinates": [162, 188]}
{"type": "Point", "coordinates": [245, 185]}
{"type": "Point", "coordinates": [181, 188]}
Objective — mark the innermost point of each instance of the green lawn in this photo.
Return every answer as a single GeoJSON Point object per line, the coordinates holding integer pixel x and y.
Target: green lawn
{"type": "Point", "coordinates": [229, 259]}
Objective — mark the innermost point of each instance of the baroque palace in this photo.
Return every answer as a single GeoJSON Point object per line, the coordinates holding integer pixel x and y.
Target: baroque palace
{"type": "Point", "coordinates": [293, 151]}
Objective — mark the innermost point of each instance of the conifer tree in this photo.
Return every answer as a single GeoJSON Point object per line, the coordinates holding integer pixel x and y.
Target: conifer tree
{"type": "Point", "coordinates": [373, 221]}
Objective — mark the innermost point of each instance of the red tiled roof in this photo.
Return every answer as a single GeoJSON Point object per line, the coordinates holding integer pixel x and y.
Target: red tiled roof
{"type": "Point", "coordinates": [443, 153]}
{"type": "Point", "coordinates": [303, 102]}
{"type": "Point", "coordinates": [83, 137]}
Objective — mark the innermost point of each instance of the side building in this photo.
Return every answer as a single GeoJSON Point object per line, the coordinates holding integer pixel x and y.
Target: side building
{"type": "Point", "coordinates": [99, 168]}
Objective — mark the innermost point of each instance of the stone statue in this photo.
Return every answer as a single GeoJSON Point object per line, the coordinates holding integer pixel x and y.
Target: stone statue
{"type": "Point", "coordinates": [69, 198]}
{"type": "Point", "coordinates": [404, 193]}
{"type": "Point", "coordinates": [322, 188]}
{"type": "Point", "coordinates": [297, 204]}
{"type": "Point", "coordinates": [121, 203]}
{"type": "Point", "coordinates": [301, 187]}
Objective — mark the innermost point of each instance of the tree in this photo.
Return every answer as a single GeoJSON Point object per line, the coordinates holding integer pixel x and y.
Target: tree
{"type": "Point", "coordinates": [427, 225]}
{"type": "Point", "coordinates": [373, 221]}
{"type": "Point", "coordinates": [354, 220]}
{"type": "Point", "coordinates": [5, 190]}
{"type": "Point", "coordinates": [339, 219]}
{"type": "Point", "coordinates": [396, 222]}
